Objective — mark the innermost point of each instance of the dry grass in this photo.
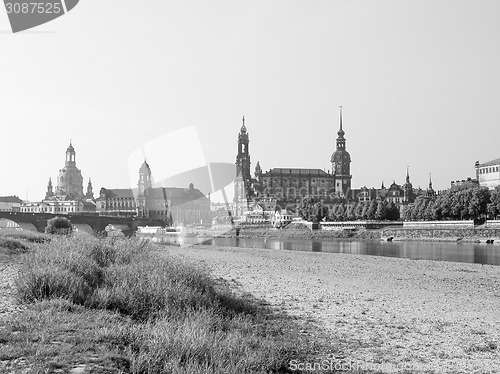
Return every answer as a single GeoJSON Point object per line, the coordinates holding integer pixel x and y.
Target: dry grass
{"type": "Point", "coordinates": [121, 306]}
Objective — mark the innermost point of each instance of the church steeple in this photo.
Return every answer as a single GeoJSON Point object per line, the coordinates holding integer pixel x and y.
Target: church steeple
{"type": "Point", "coordinates": [341, 163]}
{"type": "Point", "coordinates": [50, 191]}
{"type": "Point", "coordinates": [90, 192]}
{"type": "Point", "coordinates": [430, 190]}
{"type": "Point", "coordinates": [340, 133]}
{"type": "Point", "coordinates": [243, 156]}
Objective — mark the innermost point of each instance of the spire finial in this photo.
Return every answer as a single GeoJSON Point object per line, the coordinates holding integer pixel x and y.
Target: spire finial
{"type": "Point", "coordinates": [340, 106]}
{"type": "Point", "coordinates": [430, 181]}
{"type": "Point", "coordinates": [407, 174]}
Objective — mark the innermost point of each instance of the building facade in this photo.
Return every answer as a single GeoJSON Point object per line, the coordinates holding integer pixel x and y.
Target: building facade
{"type": "Point", "coordinates": [10, 204]}
{"type": "Point", "coordinates": [488, 173]}
{"type": "Point", "coordinates": [290, 185]}
{"type": "Point", "coordinates": [68, 197]}
{"type": "Point", "coordinates": [70, 180]}
{"type": "Point", "coordinates": [171, 205]}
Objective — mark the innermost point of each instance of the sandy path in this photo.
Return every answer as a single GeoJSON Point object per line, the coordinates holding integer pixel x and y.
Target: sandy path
{"type": "Point", "coordinates": [8, 305]}
{"type": "Point", "coordinates": [429, 316]}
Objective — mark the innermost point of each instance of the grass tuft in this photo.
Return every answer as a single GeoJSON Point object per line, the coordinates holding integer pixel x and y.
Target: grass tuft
{"type": "Point", "coordinates": [141, 310]}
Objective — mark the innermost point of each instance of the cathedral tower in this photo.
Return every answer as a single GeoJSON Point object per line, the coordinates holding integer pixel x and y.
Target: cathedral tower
{"type": "Point", "coordinates": [341, 164]}
{"type": "Point", "coordinates": [90, 191]}
{"type": "Point", "coordinates": [70, 181]}
{"type": "Point", "coordinates": [407, 188]}
{"type": "Point", "coordinates": [243, 157]}
{"type": "Point", "coordinates": [50, 192]}
{"type": "Point", "coordinates": [145, 181]}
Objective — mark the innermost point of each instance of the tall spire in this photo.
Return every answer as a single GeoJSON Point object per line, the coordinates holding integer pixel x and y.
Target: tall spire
{"type": "Point", "coordinates": [430, 181]}
{"type": "Point", "coordinates": [243, 127]}
{"type": "Point", "coordinates": [340, 117]}
{"type": "Point", "coordinates": [341, 132]}
{"type": "Point", "coordinates": [407, 174]}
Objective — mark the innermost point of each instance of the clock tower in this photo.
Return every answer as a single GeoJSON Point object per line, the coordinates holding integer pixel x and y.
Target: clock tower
{"type": "Point", "coordinates": [341, 164]}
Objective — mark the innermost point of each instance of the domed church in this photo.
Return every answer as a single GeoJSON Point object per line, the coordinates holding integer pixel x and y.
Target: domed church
{"type": "Point", "coordinates": [70, 180]}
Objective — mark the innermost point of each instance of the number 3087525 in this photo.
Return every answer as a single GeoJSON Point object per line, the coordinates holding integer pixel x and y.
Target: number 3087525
{"type": "Point", "coordinates": [38, 8]}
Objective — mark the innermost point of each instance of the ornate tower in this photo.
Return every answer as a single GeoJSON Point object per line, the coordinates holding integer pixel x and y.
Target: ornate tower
{"type": "Point", "coordinates": [258, 170]}
{"type": "Point", "coordinates": [407, 188]}
{"type": "Point", "coordinates": [70, 181]}
{"type": "Point", "coordinates": [50, 192]}
{"type": "Point", "coordinates": [144, 184]}
{"type": "Point", "coordinates": [145, 181]}
{"type": "Point", "coordinates": [240, 202]}
{"type": "Point", "coordinates": [430, 190]}
{"type": "Point", "coordinates": [90, 191]}
{"type": "Point", "coordinates": [341, 164]}
{"type": "Point", "coordinates": [243, 157]}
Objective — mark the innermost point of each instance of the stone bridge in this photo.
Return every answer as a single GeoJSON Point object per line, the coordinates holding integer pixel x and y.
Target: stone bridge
{"type": "Point", "coordinates": [85, 222]}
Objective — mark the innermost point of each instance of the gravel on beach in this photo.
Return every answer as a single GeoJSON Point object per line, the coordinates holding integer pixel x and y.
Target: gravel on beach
{"type": "Point", "coordinates": [382, 313]}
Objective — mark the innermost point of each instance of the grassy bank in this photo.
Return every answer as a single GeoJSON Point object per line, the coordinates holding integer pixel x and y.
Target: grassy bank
{"type": "Point", "coordinates": [113, 306]}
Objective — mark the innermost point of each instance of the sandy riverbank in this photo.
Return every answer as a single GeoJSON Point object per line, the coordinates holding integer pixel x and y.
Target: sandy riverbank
{"type": "Point", "coordinates": [440, 317]}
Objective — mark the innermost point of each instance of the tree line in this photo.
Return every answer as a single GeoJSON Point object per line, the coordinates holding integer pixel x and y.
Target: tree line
{"type": "Point", "coordinates": [463, 202]}
{"type": "Point", "coordinates": [312, 210]}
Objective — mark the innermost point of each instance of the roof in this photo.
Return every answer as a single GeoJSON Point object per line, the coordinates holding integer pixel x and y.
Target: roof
{"type": "Point", "coordinates": [296, 171]}
{"type": "Point", "coordinates": [174, 192]}
{"type": "Point", "coordinates": [120, 193]}
{"type": "Point", "coordinates": [492, 162]}
{"type": "Point", "coordinates": [10, 199]}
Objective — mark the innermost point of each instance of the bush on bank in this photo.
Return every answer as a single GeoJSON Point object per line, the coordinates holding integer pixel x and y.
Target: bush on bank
{"type": "Point", "coordinates": [181, 321]}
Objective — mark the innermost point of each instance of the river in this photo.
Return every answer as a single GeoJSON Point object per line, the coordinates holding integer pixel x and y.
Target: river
{"type": "Point", "coordinates": [439, 251]}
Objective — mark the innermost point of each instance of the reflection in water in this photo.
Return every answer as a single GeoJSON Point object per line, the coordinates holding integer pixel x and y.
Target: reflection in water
{"type": "Point", "coordinates": [316, 246]}
{"type": "Point", "coordinates": [441, 251]}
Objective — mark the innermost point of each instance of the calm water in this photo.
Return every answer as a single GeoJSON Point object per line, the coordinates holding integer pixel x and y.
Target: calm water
{"type": "Point", "coordinates": [457, 252]}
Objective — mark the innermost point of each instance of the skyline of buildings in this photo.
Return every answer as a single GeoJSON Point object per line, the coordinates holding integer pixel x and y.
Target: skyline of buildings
{"type": "Point", "coordinates": [295, 183]}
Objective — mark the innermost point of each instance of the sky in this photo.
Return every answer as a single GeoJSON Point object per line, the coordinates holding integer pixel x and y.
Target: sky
{"type": "Point", "coordinates": [419, 82]}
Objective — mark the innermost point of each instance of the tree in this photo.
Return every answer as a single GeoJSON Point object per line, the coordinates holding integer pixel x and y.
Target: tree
{"type": "Point", "coordinates": [392, 212]}
{"type": "Point", "coordinates": [59, 226]}
{"type": "Point", "coordinates": [467, 201]}
{"type": "Point", "coordinates": [381, 212]}
{"type": "Point", "coordinates": [312, 210]}
{"type": "Point", "coordinates": [478, 203]}
{"type": "Point", "coordinates": [338, 213]}
{"type": "Point", "coordinates": [364, 211]}
{"type": "Point", "coordinates": [495, 202]}
{"type": "Point", "coordinates": [372, 209]}
{"type": "Point", "coordinates": [350, 212]}
{"type": "Point", "coordinates": [430, 212]}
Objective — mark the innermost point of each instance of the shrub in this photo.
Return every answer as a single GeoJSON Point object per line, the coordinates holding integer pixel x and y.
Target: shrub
{"type": "Point", "coordinates": [59, 226]}
{"type": "Point", "coordinates": [13, 244]}
{"type": "Point", "coordinates": [29, 236]}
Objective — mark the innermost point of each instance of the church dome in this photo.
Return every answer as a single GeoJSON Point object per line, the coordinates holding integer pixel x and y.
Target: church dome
{"type": "Point", "coordinates": [340, 155]}
{"type": "Point", "coordinates": [144, 168]}
{"type": "Point", "coordinates": [70, 148]}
